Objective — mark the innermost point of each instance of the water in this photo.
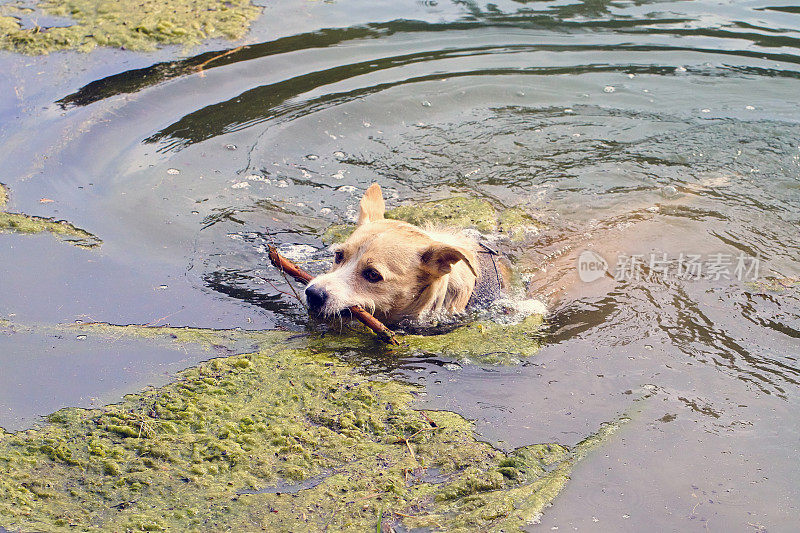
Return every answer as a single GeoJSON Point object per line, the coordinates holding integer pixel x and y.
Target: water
{"type": "Point", "coordinates": [626, 128]}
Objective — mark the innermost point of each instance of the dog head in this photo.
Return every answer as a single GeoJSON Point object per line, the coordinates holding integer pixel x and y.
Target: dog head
{"type": "Point", "coordinates": [394, 269]}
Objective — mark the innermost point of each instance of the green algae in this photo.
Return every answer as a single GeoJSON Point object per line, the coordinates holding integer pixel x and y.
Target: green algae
{"type": "Point", "coordinates": [516, 493]}
{"type": "Point", "coordinates": [208, 339]}
{"type": "Point", "coordinates": [485, 342]}
{"type": "Point", "coordinates": [235, 443]}
{"type": "Point", "coordinates": [481, 341]}
{"type": "Point", "coordinates": [517, 223]}
{"type": "Point", "coordinates": [131, 24]}
{"type": "Point", "coordinates": [18, 223]}
{"type": "Point", "coordinates": [457, 212]}
{"type": "Point", "coordinates": [337, 233]}
{"type": "Point", "coordinates": [27, 224]}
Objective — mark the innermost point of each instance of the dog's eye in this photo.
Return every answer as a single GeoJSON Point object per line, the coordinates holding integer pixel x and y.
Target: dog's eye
{"type": "Point", "coordinates": [338, 256]}
{"type": "Point", "coordinates": [372, 275]}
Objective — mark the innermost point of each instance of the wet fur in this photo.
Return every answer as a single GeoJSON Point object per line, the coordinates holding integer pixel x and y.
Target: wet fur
{"type": "Point", "coordinates": [427, 272]}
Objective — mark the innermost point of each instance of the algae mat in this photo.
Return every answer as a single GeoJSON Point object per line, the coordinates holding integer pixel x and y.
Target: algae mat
{"type": "Point", "coordinates": [130, 24]}
{"type": "Point", "coordinates": [513, 223]}
{"type": "Point", "coordinates": [287, 437]}
{"type": "Point", "coordinates": [27, 224]}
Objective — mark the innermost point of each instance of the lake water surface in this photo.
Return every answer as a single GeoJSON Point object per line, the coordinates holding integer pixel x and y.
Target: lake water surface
{"type": "Point", "coordinates": [652, 130]}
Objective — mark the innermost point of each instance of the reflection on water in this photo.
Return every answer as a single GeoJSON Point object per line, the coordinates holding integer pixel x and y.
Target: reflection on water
{"type": "Point", "coordinates": [624, 127]}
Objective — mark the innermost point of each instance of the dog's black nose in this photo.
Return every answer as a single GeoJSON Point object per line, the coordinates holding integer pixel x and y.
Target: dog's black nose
{"type": "Point", "coordinates": [316, 297]}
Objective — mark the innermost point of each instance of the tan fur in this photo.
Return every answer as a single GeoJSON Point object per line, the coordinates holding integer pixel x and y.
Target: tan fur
{"type": "Point", "coordinates": [426, 272]}
{"type": "Point", "coordinates": [372, 205]}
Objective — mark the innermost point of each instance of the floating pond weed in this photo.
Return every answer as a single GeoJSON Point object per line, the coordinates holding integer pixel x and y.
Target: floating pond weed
{"type": "Point", "coordinates": [202, 452]}
{"type": "Point", "coordinates": [134, 25]}
{"type": "Point", "coordinates": [27, 224]}
{"type": "Point", "coordinates": [464, 212]}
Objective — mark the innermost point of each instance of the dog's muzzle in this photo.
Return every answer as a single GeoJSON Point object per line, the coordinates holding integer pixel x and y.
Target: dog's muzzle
{"type": "Point", "coordinates": [316, 297]}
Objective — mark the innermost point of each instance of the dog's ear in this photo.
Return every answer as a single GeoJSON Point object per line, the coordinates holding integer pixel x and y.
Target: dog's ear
{"type": "Point", "coordinates": [372, 205]}
{"type": "Point", "coordinates": [438, 259]}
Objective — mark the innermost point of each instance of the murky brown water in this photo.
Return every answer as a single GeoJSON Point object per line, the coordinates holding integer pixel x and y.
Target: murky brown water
{"type": "Point", "coordinates": [628, 128]}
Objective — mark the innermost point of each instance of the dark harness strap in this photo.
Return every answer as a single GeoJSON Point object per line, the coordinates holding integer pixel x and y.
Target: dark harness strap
{"type": "Point", "coordinates": [489, 285]}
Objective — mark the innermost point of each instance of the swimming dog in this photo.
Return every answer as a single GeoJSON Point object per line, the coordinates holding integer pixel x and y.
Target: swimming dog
{"type": "Point", "coordinates": [397, 270]}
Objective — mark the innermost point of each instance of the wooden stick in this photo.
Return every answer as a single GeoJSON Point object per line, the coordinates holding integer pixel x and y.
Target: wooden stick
{"type": "Point", "coordinates": [284, 265]}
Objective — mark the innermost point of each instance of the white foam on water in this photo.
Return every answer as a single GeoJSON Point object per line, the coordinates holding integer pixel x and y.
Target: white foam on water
{"type": "Point", "coordinates": [297, 252]}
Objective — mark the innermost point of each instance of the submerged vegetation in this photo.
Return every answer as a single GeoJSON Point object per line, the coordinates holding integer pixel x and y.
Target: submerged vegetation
{"type": "Point", "coordinates": [20, 223]}
{"type": "Point", "coordinates": [130, 24]}
{"type": "Point", "coordinates": [466, 212]}
{"type": "Point", "coordinates": [286, 437]}
{"type": "Point", "coordinates": [457, 212]}
{"type": "Point", "coordinates": [483, 341]}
